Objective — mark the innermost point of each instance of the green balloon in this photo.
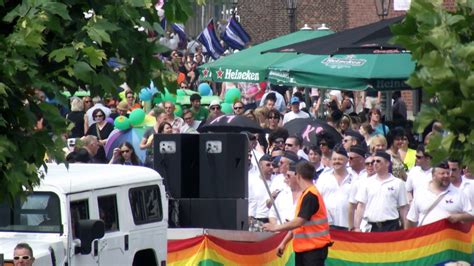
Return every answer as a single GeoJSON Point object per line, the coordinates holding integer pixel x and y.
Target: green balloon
{"type": "Point", "coordinates": [137, 117]}
{"type": "Point", "coordinates": [158, 98]}
{"type": "Point", "coordinates": [232, 95]}
{"type": "Point", "coordinates": [226, 108]}
{"type": "Point", "coordinates": [178, 110]}
{"type": "Point", "coordinates": [122, 123]}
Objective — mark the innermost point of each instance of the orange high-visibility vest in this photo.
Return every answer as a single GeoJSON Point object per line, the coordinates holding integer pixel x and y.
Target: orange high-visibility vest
{"type": "Point", "coordinates": [313, 234]}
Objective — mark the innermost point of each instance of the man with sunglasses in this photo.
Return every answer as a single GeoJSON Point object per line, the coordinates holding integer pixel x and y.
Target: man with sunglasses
{"type": "Point", "coordinates": [238, 108]}
{"type": "Point", "coordinates": [382, 199]}
{"type": "Point", "coordinates": [361, 168]}
{"type": "Point", "coordinates": [420, 175]}
{"type": "Point", "coordinates": [23, 255]}
{"type": "Point", "coordinates": [293, 144]}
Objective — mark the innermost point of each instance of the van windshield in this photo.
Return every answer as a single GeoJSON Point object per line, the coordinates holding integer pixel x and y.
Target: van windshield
{"type": "Point", "coordinates": [40, 212]}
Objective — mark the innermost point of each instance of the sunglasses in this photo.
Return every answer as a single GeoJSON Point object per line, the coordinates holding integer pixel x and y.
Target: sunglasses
{"type": "Point", "coordinates": [215, 108]}
{"type": "Point", "coordinates": [99, 116]}
{"type": "Point", "coordinates": [25, 257]}
{"type": "Point", "coordinates": [89, 101]}
{"type": "Point", "coordinates": [377, 161]}
{"type": "Point", "coordinates": [419, 157]}
{"type": "Point", "coordinates": [125, 151]}
{"type": "Point", "coordinates": [238, 107]}
{"type": "Point", "coordinates": [352, 158]}
{"type": "Point", "coordinates": [369, 163]}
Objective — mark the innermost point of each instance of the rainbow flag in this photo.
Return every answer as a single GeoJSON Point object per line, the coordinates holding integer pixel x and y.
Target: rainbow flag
{"type": "Point", "coordinates": [433, 244]}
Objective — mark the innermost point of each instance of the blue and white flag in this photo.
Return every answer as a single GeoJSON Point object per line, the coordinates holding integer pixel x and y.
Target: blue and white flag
{"type": "Point", "coordinates": [235, 36]}
{"type": "Point", "coordinates": [183, 40]}
{"type": "Point", "coordinates": [208, 38]}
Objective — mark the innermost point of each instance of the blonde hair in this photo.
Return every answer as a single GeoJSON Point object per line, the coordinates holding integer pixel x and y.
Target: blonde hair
{"type": "Point", "coordinates": [77, 105]}
{"type": "Point", "coordinates": [377, 139]}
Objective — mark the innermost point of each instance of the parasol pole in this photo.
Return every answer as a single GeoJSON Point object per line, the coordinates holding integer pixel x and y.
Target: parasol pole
{"type": "Point", "coordinates": [266, 185]}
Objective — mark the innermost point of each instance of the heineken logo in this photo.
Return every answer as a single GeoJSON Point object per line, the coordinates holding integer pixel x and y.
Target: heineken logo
{"type": "Point", "coordinates": [230, 74]}
{"type": "Point", "coordinates": [281, 76]}
{"type": "Point", "coordinates": [346, 62]}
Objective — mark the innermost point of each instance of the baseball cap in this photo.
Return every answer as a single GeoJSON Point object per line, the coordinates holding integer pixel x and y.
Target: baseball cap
{"type": "Point", "coordinates": [295, 100]}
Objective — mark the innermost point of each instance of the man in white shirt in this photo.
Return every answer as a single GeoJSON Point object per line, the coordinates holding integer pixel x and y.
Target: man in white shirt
{"type": "Point", "coordinates": [420, 175]}
{"type": "Point", "coordinates": [295, 111]}
{"type": "Point", "coordinates": [258, 195]}
{"type": "Point", "coordinates": [335, 187]}
{"type": "Point", "coordinates": [175, 121]}
{"type": "Point", "coordinates": [294, 144]}
{"type": "Point", "coordinates": [356, 155]}
{"type": "Point", "coordinates": [382, 198]}
{"type": "Point", "coordinates": [439, 199]}
{"type": "Point", "coordinates": [288, 158]}
{"type": "Point", "coordinates": [464, 184]}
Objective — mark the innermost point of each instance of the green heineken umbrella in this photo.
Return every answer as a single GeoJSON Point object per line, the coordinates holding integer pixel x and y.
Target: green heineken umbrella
{"type": "Point", "coordinates": [353, 72]}
{"type": "Point", "coordinates": [250, 65]}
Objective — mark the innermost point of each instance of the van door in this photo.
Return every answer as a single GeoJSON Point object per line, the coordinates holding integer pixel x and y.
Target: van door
{"type": "Point", "coordinates": [79, 209]}
{"type": "Point", "coordinates": [114, 246]}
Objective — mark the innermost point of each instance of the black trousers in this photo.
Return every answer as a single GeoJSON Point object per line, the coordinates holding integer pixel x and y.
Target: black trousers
{"type": "Point", "coordinates": [387, 226]}
{"type": "Point", "coordinates": [314, 257]}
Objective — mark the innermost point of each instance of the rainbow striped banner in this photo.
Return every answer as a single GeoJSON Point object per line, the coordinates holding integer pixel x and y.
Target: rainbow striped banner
{"type": "Point", "coordinates": [432, 244]}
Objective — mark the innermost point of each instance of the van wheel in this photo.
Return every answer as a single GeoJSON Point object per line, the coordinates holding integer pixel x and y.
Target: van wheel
{"type": "Point", "coordinates": [145, 257]}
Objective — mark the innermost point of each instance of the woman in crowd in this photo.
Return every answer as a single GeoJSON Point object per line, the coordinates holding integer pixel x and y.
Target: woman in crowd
{"type": "Point", "coordinates": [377, 143]}
{"type": "Point", "coordinates": [125, 154]}
{"type": "Point", "coordinates": [375, 120]}
{"type": "Point", "coordinates": [147, 139]}
{"type": "Point", "coordinates": [395, 141]}
{"type": "Point", "coordinates": [101, 129]}
{"type": "Point", "coordinates": [407, 154]}
{"type": "Point", "coordinates": [76, 116]}
{"type": "Point", "coordinates": [272, 121]}
{"type": "Point", "coordinates": [165, 128]}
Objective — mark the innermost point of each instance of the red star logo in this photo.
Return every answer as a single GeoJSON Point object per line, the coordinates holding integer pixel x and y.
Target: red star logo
{"type": "Point", "coordinates": [205, 72]}
{"type": "Point", "coordinates": [219, 73]}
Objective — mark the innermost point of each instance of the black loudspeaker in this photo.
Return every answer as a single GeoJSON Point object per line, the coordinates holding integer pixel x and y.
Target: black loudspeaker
{"type": "Point", "coordinates": [223, 165]}
{"type": "Point", "coordinates": [231, 214]}
{"type": "Point", "coordinates": [176, 158]}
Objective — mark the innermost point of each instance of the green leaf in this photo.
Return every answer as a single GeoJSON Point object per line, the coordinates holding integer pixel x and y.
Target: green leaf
{"type": "Point", "coordinates": [95, 56]}
{"type": "Point", "coordinates": [98, 35]}
{"type": "Point", "coordinates": [59, 55]}
{"type": "Point", "coordinates": [56, 8]}
{"type": "Point", "coordinates": [83, 71]}
{"type": "Point", "coordinates": [157, 27]}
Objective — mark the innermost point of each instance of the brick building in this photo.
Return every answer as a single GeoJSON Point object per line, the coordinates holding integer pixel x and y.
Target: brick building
{"type": "Point", "coordinates": [267, 19]}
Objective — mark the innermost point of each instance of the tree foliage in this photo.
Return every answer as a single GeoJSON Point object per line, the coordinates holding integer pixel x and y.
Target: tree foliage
{"type": "Point", "coordinates": [56, 45]}
{"type": "Point", "coordinates": [442, 43]}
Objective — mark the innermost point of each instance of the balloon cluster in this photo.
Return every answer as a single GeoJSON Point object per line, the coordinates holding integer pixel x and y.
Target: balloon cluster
{"type": "Point", "coordinates": [137, 118]}
{"type": "Point", "coordinates": [204, 89]}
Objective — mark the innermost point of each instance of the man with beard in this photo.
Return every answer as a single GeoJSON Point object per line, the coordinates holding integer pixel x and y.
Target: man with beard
{"type": "Point", "coordinates": [439, 200]}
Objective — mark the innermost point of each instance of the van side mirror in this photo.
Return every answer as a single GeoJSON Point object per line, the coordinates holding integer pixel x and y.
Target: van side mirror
{"type": "Point", "coordinates": [87, 231]}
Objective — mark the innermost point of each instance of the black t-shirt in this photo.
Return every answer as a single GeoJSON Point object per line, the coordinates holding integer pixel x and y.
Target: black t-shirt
{"type": "Point", "coordinates": [309, 206]}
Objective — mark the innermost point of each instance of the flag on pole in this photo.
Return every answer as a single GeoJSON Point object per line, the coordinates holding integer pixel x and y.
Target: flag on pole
{"type": "Point", "coordinates": [209, 39]}
{"type": "Point", "coordinates": [183, 40]}
{"type": "Point", "coordinates": [235, 35]}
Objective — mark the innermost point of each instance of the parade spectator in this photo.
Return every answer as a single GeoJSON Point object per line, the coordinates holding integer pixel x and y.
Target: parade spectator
{"type": "Point", "coordinates": [87, 101]}
{"type": "Point", "coordinates": [375, 120]}
{"type": "Point", "coordinates": [190, 125]}
{"type": "Point", "coordinates": [351, 138]}
{"type": "Point", "coordinates": [269, 102]}
{"type": "Point", "coordinates": [460, 182]}
{"type": "Point", "coordinates": [395, 141]}
{"type": "Point", "coordinates": [295, 111]}
{"type": "Point", "coordinates": [89, 117]}
{"type": "Point", "coordinates": [407, 154]}
{"type": "Point", "coordinates": [399, 107]}
{"type": "Point", "coordinates": [345, 123]}
{"type": "Point", "coordinates": [122, 109]}
{"type": "Point", "coordinates": [238, 107]}
{"type": "Point", "coordinates": [91, 144]}
{"type": "Point", "coordinates": [309, 229]}
{"type": "Point", "coordinates": [175, 121]}
{"type": "Point", "coordinates": [125, 154]}
{"type": "Point", "coordinates": [214, 110]}
{"type": "Point", "coordinates": [131, 101]}
{"type": "Point", "coordinates": [326, 144]}
{"type": "Point", "coordinates": [273, 120]}
{"type": "Point", "coordinates": [165, 128]}
{"type": "Point", "coordinates": [371, 99]}
{"type": "Point", "coordinates": [366, 130]}
{"type": "Point", "coordinates": [276, 139]}
{"type": "Point", "coordinates": [382, 199]}
{"type": "Point", "coordinates": [335, 186]}
{"type": "Point", "coordinates": [347, 103]}
{"type": "Point", "coordinates": [295, 144]}
{"type": "Point", "coordinates": [76, 116]}
{"type": "Point", "coordinates": [276, 97]}
{"type": "Point", "coordinates": [101, 129]}
{"type": "Point", "coordinates": [377, 143]}
{"type": "Point", "coordinates": [23, 255]}
{"type": "Point", "coordinates": [261, 114]}
{"type": "Point", "coordinates": [314, 157]}
{"type": "Point", "coordinates": [199, 112]}
{"type": "Point", "coordinates": [439, 200]}
{"type": "Point", "coordinates": [258, 195]}
{"type": "Point", "coordinates": [420, 175]}
{"type": "Point", "coordinates": [288, 158]}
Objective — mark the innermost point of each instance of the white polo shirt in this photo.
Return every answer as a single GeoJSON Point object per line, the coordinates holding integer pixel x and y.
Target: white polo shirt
{"type": "Point", "coordinates": [467, 186]}
{"type": "Point", "coordinates": [454, 201]}
{"type": "Point", "coordinates": [292, 115]}
{"type": "Point", "coordinates": [417, 177]}
{"type": "Point", "coordinates": [382, 198]}
{"type": "Point", "coordinates": [278, 183]}
{"type": "Point", "coordinates": [258, 196]}
{"type": "Point", "coordinates": [356, 184]}
{"type": "Point", "coordinates": [285, 204]}
{"type": "Point", "coordinates": [336, 197]}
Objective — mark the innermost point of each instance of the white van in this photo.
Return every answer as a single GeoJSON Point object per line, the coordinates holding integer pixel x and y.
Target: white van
{"type": "Point", "coordinates": [90, 215]}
